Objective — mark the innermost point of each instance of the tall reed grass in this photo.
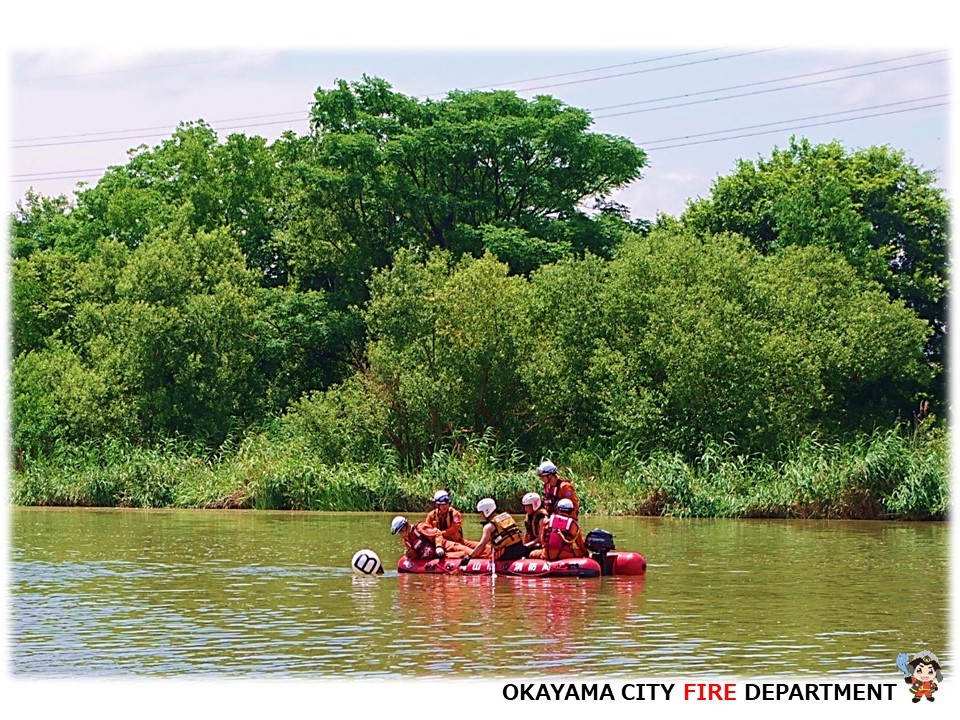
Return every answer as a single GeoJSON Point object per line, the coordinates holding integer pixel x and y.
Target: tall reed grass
{"type": "Point", "coordinates": [890, 474]}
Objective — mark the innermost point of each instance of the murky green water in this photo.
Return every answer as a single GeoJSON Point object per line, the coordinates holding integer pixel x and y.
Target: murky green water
{"type": "Point", "coordinates": [121, 592]}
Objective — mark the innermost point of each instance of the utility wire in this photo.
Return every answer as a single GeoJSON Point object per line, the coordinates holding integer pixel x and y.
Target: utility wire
{"type": "Point", "coordinates": [90, 172]}
{"type": "Point", "coordinates": [762, 92]}
{"type": "Point", "coordinates": [153, 135]}
{"type": "Point", "coordinates": [767, 82]}
{"type": "Point", "coordinates": [298, 112]}
{"type": "Point", "coordinates": [797, 127]}
{"type": "Point", "coordinates": [647, 70]}
{"type": "Point", "coordinates": [604, 107]}
{"type": "Point", "coordinates": [781, 122]}
{"type": "Point", "coordinates": [155, 127]}
{"type": "Point", "coordinates": [596, 69]}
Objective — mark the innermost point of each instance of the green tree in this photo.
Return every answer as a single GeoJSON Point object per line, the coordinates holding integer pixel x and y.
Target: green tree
{"type": "Point", "coordinates": [446, 342]}
{"type": "Point", "coordinates": [880, 211]}
{"type": "Point", "coordinates": [707, 337]}
{"type": "Point", "coordinates": [40, 223]}
{"type": "Point", "coordinates": [397, 171]}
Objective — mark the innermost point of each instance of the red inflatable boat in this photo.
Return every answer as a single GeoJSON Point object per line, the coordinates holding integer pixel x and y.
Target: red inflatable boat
{"type": "Point", "coordinates": [611, 563]}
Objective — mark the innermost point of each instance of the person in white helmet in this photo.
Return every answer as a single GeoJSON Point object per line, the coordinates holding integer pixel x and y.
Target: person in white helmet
{"type": "Point", "coordinates": [500, 532]}
{"type": "Point", "coordinates": [422, 542]}
{"type": "Point", "coordinates": [556, 488]}
{"type": "Point", "coordinates": [560, 535]}
{"type": "Point", "coordinates": [535, 518]}
{"type": "Point", "coordinates": [447, 519]}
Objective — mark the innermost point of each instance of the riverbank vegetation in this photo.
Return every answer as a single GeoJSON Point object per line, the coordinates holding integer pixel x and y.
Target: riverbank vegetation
{"type": "Point", "coordinates": [440, 293]}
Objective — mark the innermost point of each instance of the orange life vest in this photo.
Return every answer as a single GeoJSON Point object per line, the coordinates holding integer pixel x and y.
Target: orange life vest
{"type": "Point", "coordinates": [563, 489]}
{"type": "Point", "coordinates": [450, 520]}
{"type": "Point", "coordinates": [505, 533]}
{"type": "Point", "coordinates": [532, 524]}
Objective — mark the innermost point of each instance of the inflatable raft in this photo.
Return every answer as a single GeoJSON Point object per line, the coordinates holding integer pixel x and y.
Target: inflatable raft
{"type": "Point", "coordinates": [610, 563]}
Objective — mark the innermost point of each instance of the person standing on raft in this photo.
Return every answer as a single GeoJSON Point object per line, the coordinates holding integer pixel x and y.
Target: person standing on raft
{"type": "Point", "coordinates": [560, 535]}
{"type": "Point", "coordinates": [500, 531]}
{"type": "Point", "coordinates": [556, 488]}
{"type": "Point", "coordinates": [447, 519]}
{"type": "Point", "coordinates": [534, 520]}
{"type": "Point", "coordinates": [422, 542]}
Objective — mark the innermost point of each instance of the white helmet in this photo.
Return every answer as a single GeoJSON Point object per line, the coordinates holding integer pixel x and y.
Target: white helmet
{"type": "Point", "coordinates": [366, 562]}
{"type": "Point", "coordinates": [547, 468]}
{"type": "Point", "coordinates": [565, 505]}
{"type": "Point", "coordinates": [486, 507]}
{"type": "Point", "coordinates": [441, 497]}
{"type": "Point", "coordinates": [399, 522]}
{"type": "Point", "coordinates": [531, 498]}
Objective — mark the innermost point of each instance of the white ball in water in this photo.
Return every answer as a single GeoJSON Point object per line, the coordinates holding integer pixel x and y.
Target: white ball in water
{"type": "Point", "coordinates": [366, 562]}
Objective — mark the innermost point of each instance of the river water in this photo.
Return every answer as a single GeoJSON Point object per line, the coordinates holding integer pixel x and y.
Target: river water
{"type": "Point", "coordinates": [270, 594]}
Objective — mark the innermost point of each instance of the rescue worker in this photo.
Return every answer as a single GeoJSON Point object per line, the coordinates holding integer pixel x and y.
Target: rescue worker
{"type": "Point", "coordinates": [500, 532]}
{"type": "Point", "coordinates": [556, 488]}
{"type": "Point", "coordinates": [534, 519]}
{"type": "Point", "coordinates": [447, 519]}
{"type": "Point", "coordinates": [560, 535]}
{"type": "Point", "coordinates": [422, 542]}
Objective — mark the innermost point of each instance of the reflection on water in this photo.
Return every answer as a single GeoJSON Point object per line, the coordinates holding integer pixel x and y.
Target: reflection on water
{"type": "Point", "coordinates": [117, 592]}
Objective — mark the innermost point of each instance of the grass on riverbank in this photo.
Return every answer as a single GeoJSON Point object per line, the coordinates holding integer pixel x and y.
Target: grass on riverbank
{"type": "Point", "coordinates": [885, 475]}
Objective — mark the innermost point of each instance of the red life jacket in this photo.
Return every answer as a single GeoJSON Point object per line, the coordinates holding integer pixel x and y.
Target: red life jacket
{"type": "Point", "coordinates": [423, 546]}
{"type": "Point", "coordinates": [561, 531]}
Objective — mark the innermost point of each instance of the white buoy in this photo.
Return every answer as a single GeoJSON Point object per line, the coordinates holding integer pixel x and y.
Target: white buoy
{"type": "Point", "coordinates": [366, 562]}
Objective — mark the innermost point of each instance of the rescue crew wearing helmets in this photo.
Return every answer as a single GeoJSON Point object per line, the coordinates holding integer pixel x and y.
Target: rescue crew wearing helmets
{"type": "Point", "coordinates": [422, 542]}
{"type": "Point", "coordinates": [447, 519]}
{"type": "Point", "coordinates": [500, 531]}
{"type": "Point", "coordinates": [560, 535]}
{"type": "Point", "coordinates": [534, 519]}
{"type": "Point", "coordinates": [556, 488]}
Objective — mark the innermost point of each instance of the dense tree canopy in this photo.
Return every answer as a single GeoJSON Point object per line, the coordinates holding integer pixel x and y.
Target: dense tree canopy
{"type": "Point", "coordinates": [411, 271]}
{"type": "Point", "coordinates": [448, 173]}
{"type": "Point", "coordinates": [880, 211]}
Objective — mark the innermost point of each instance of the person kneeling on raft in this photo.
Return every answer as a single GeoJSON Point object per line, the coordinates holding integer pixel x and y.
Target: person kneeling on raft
{"type": "Point", "coordinates": [447, 519]}
{"type": "Point", "coordinates": [560, 535]}
{"type": "Point", "coordinates": [500, 531]}
{"type": "Point", "coordinates": [422, 542]}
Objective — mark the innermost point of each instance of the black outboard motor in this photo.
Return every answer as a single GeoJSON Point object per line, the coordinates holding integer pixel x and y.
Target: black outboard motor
{"type": "Point", "coordinates": [599, 543]}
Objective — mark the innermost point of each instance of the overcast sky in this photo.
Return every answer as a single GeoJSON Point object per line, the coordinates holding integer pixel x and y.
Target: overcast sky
{"type": "Point", "coordinates": [694, 106]}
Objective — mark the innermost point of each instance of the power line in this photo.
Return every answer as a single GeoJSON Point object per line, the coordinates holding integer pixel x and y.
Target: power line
{"type": "Point", "coordinates": [767, 82]}
{"type": "Point", "coordinates": [762, 92]}
{"type": "Point", "coordinates": [297, 112]}
{"type": "Point", "coordinates": [781, 122]}
{"type": "Point", "coordinates": [155, 127]}
{"type": "Point", "coordinates": [648, 70]}
{"type": "Point", "coordinates": [70, 174]}
{"type": "Point", "coordinates": [596, 69]}
{"type": "Point", "coordinates": [798, 127]}
{"type": "Point", "coordinates": [598, 117]}
{"type": "Point", "coordinates": [92, 171]}
{"type": "Point", "coordinates": [152, 135]}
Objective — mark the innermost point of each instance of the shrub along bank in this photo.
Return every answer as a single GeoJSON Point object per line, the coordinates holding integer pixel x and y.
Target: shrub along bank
{"type": "Point", "coordinates": [886, 475]}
